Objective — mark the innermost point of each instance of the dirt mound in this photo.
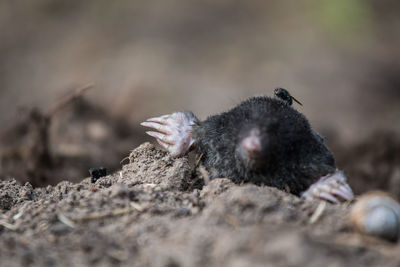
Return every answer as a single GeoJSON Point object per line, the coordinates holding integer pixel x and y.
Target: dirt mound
{"type": "Point", "coordinates": [150, 214]}
{"type": "Point", "coordinates": [373, 163]}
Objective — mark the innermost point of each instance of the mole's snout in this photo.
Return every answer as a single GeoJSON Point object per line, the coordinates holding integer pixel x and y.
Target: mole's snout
{"type": "Point", "coordinates": [250, 147]}
{"type": "Point", "coordinates": [251, 144]}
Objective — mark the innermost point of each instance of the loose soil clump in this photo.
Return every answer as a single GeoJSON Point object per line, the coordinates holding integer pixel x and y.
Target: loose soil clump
{"type": "Point", "coordinates": [150, 214]}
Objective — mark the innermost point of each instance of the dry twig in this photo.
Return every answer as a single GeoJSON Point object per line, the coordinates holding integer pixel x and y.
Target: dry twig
{"type": "Point", "coordinates": [68, 99]}
{"type": "Point", "coordinates": [318, 212]}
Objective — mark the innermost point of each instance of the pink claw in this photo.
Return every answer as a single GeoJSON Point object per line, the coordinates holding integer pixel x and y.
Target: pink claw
{"type": "Point", "coordinates": [332, 187]}
{"type": "Point", "coordinates": [162, 137]}
{"type": "Point", "coordinates": [161, 119]}
{"type": "Point", "coordinates": [174, 131]}
{"type": "Point", "coordinates": [159, 127]}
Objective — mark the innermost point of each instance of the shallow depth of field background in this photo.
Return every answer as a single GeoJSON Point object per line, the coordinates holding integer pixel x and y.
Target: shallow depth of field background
{"type": "Point", "coordinates": [341, 58]}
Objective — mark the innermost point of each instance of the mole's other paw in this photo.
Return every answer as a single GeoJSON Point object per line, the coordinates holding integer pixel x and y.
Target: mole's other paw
{"type": "Point", "coordinates": [332, 187]}
{"type": "Point", "coordinates": [174, 131]}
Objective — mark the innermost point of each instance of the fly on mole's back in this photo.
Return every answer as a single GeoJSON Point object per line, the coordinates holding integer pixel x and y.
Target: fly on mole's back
{"type": "Point", "coordinates": [285, 96]}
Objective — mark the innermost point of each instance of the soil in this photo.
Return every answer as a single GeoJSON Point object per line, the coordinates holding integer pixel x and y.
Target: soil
{"type": "Point", "coordinates": [148, 58]}
{"type": "Point", "coordinates": [161, 211]}
{"type": "Point", "coordinates": [373, 163]}
{"type": "Point", "coordinates": [43, 147]}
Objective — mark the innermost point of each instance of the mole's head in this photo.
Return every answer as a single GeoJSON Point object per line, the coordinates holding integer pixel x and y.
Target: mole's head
{"type": "Point", "coordinates": [257, 143]}
{"type": "Point", "coordinates": [275, 138]}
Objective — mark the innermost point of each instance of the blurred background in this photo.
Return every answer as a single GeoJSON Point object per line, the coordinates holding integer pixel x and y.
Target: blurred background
{"type": "Point", "coordinates": [340, 58]}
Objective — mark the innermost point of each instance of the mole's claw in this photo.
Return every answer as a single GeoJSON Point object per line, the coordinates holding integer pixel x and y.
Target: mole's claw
{"type": "Point", "coordinates": [161, 119]}
{"type": "Point", "coordinates": [164, 145]}
{"type": "Point", "coordinates": [162, 137]}
{"type": "Point", "coordinates": [174, 131]}
{"type": "Point", "coordinates": [327, 196]}
{"type": "Point", "coordinates": [344, 194]}
{"type": "Point", "coordinates": [159, 127]}
{"type": "Point", "coordinates": [332, 187]}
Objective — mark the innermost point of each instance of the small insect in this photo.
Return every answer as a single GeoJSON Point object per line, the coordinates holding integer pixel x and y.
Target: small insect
{"type": "Point", "coordinates": [96, 173]}
{"type": "Point", "coordinates": [285, 96]}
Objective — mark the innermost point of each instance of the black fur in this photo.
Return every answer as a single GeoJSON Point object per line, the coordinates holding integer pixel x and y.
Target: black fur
{"type": "Point", "coordinates": [293, 156]}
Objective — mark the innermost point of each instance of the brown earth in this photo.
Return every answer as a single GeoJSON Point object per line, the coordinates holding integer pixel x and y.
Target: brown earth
{"type": "Point", "coordinates": [148, 58]}
{"type": "Point", "coordinates": [156, 211]}
{"type": "Point", "coordinates": [45, 147]}
{"type": "Point", "coordinates": [373, 163]}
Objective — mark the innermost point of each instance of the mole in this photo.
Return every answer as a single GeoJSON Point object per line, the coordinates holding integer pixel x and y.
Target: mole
{"type": "Point", "coordinates": [264, 141]}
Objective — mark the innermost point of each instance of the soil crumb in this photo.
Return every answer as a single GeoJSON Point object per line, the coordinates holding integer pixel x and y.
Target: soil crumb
{"type": "Point", "coordinates": [148, 214]}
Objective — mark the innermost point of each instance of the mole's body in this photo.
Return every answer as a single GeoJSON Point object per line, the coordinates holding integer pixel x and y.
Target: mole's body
{"type": "Point", "coordinates": [264, 141]}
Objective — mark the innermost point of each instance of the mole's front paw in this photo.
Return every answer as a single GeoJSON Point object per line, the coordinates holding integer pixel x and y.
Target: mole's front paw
{"type": "Point", "coordinates": [332, 187]}
{"type": "Point", "coordinates": [174, 131]}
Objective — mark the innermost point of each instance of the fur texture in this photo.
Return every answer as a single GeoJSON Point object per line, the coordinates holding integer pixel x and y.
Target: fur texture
{"type": "Point", "coordinates": [292, 156]}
